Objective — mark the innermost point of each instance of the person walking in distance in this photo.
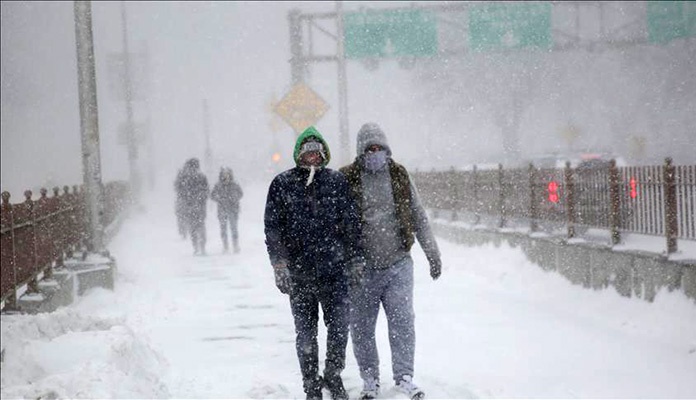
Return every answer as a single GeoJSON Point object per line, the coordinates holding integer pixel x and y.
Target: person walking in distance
{"type": "Point", "coordinates": [391, 216]}
{"type": "Point", "coordinates": [194, 188]}
{"type": "Point", "coordinates": [227, 194]}
{"type": "Point", "coordinates": [313, 242]}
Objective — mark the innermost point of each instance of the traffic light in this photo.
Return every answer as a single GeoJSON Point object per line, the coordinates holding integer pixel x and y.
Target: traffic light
{"type": "Point", "coordinates": [634, 190]}
{"type": "Point", "coordinates": [276, 157]}
{"type": "Point", "coordinates": [553, 191]}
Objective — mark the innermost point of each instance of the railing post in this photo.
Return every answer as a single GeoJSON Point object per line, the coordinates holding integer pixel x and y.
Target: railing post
{"type": "Point", "coordinates": [33, 285]}
{"type": "Point", "coordinates": [58, 227]}
{"type": "Point", "coordinates": [477, 211]}
{"type": "Point", "coordinates": [454, 193]}
{"type": "Point", "coordinates": [69, 220]}
{"type": "Point", "coordinates": [47, 232]}
{"type": "Point", "coordinates": [501, 196]}
{"type": "Point", "coordinates": [570, 199]}
{"type": "Point", "coordinates": [533, 212]}
{"type": "Point", "coordinates": [615, 198]}
{"type": "Point", "coordinates": [11, 300]}
{"type": "Point", "coordinates": [671, 223]}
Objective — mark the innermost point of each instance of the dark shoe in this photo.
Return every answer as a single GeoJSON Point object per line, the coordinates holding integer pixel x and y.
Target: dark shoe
{"type": "Point", "coordinates": [335, 386]}
{"type": "Point", "coordinates": [313, 389]}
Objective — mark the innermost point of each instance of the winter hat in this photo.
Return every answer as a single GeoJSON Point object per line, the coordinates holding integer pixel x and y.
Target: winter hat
{"type": "Point", "coordinates": [311, 140]}
{"type": "Point", "coordinates": [192, 164]}
{"type": "Point", "coordinates": [224, 171]}
{"type": "Point", "coordinates": [369, 134]}
{"type": "Point", "coordinates": [312, 144]}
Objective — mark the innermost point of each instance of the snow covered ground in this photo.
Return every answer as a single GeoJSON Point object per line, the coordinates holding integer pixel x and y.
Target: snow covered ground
{"type": "Point", "coordinates": [494, 326]}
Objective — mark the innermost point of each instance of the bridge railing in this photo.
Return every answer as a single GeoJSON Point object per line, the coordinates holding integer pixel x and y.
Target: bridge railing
{"type": "Point", "coordinates": [37, 235]}
{"type": "Point", "coordinates": [652, 200]}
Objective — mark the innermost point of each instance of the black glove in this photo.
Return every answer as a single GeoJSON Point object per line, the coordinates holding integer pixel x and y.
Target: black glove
{"type": "Point", "coordinates": [282, 279]}
{"type": "Point", "coordinates": [356, 273]}
{"type": "Point", "coordinates": [435, 268]}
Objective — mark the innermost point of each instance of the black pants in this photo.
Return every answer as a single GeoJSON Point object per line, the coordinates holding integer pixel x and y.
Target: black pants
{"type": "Point", "coordinates": [229, 218]}
{"type": "Point", "coordinates": [305, 298]}
{"type": "Point", "coordinates": [196, 225]}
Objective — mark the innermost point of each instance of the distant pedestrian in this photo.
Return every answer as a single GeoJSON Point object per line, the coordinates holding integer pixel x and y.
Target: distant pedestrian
{"type": "Point", "coordinates": [227, 194]}
{"type": "Point", "coordinates": [193, 187]}
{"type": "Point", "coordinates": [391, 216]}
{"type": "Point", "coordinates": [313, 241]}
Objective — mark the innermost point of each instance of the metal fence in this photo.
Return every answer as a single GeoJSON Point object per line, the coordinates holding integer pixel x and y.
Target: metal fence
{"type": "Point", "coordinates": [653, 200]}
{"type": "Point", "coordinates": [37, 235]}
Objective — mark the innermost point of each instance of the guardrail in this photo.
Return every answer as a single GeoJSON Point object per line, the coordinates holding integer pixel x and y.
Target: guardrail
{"type": "Point", "coordinates": [653, 200]}
{"type": "Point", "coordinates": [37, 235]}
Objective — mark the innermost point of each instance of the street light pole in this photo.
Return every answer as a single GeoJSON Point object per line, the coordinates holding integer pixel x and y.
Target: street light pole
{"type": "Point", "coordinates": [89, 122]}
{"type": "Point", "coordinates": [206, 132]}
{"type": "Point", "coordinates": [130, 126]}
{"type": "Point", "coordinates": [342, 86]}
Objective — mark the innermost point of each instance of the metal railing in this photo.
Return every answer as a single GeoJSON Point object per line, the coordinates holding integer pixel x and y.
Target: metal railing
{"type": "Point", "coordinates": [37, 235]}
{"type": "Point", "coordinates": [653, 200]}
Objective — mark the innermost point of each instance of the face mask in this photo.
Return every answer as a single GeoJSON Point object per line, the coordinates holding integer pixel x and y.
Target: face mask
{"type": "Point", "coordinates": [375, 161]}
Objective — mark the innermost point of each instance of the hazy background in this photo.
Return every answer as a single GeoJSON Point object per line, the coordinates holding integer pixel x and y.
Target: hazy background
{"type": "Point", "coordinates": [639, 102]}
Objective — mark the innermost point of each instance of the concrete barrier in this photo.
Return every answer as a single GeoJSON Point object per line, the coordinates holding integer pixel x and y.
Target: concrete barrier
{"type": "Point", "coordinates": [593, 266]}
{"type": "Point", "coordinates": [94, 271]}
{"type": "Point", "coordinates": [68, 283]}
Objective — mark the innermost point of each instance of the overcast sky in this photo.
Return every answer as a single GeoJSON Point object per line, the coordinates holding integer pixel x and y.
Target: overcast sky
{"type": "Point", "coordinates": [235, 55]}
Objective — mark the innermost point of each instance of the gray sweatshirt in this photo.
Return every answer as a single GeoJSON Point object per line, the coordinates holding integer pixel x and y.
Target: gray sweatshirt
{"type": "Point", "coordinates": [381, 228]}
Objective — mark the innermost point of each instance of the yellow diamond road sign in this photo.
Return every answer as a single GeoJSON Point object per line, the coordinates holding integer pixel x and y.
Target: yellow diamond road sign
{"type": "Point", "coordinates": [301, 107]}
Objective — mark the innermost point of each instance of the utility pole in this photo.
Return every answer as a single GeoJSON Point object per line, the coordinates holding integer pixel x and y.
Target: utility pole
{"type": "Point", "coordinates": [342, 86]}
{"type": "Point", "coordinates": [130, 126]}
{"type": "Point", "coordinates": [297, 63]}
{"type": "Point", "coordinates": [149, 139]}
{"type": "Point", "coordinates": [89, 122]}
{"type": "Point", "coordinates": [206, 131]}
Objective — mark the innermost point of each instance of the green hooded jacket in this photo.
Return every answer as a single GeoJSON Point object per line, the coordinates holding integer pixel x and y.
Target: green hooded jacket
{"type": "Point", "coordinates": [311, 132]}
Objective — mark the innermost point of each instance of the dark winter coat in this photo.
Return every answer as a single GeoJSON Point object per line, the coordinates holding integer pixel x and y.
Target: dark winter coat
{"type": "Point", "coordinates": [192, 190]}
{"type": "Point", "coordinates": [227, 194]}
{"type": "Point", "coordinates": [315, 228]}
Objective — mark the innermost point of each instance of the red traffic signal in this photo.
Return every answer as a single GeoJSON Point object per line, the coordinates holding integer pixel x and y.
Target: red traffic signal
{"type": "Point", "coordinates": [633, 186]}
{"type": "Point", "coordinates": [553, 191]}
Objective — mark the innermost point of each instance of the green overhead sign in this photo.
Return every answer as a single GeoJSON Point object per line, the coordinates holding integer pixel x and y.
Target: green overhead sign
{"type": "Point", "coordinates": [669, 20]}
{"type": "Point", "coordinates": [390, 33]}
{"type": "Point", "coordinates": [499, 26]}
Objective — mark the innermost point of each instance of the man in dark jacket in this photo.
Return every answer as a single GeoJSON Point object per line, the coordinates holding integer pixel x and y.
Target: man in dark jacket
{"type": "Point", "coordinates": [392, 217]}
{"type": "Point", "coordinates": [313, 241]}
{"type": "Point", "coordinates": [193, 187]}
{"type": "Point", "coordinates": [227, 194]}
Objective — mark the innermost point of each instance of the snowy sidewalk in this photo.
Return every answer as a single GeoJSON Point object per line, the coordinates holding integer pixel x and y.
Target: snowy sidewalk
{"type": "Point", "coordinates": [494, 325]}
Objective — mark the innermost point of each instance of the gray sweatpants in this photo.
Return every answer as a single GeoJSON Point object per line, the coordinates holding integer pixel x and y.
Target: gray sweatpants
{"type": "Point", "coordinates": [393, 288]}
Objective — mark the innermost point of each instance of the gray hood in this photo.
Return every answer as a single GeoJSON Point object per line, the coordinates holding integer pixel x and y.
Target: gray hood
{"type": "Point", "coordinates": [370, 134]}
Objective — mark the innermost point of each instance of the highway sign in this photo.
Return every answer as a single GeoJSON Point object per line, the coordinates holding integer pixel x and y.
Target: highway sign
{"type": "Point", "coordinates": [390, 33]}
{"type": "Point", "coordinates": [669, 20]}
{"type": "Point", "coordinates": [301, 107]}
{"type": "Point", "coordinates": [498, 26]}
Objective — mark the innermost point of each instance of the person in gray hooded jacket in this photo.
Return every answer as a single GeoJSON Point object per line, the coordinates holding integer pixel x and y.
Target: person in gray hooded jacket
{"type": "Point", "coordinates": [391, 216]}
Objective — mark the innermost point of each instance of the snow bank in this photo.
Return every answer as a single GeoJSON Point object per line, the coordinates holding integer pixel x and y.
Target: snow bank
{"type": "Point", "coordinates": [66, 354]}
